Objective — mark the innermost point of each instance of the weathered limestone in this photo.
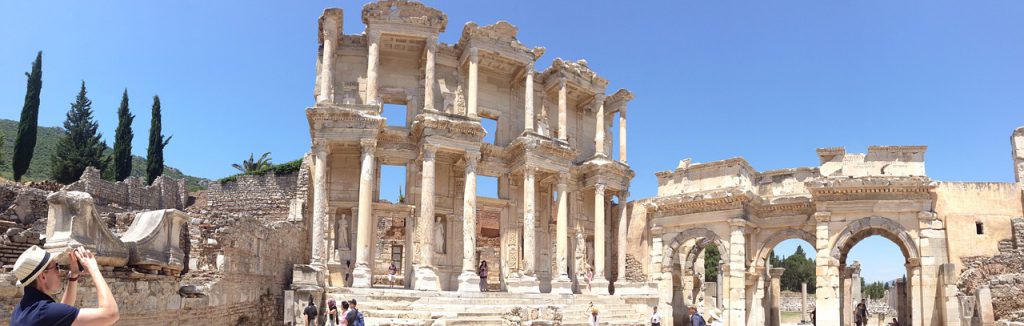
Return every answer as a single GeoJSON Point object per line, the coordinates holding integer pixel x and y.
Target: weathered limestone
{"type": "Point", "coordinates": [622, 134]}
{"type": "Point", "coordinates": [803, 302]}
{"type": "Point", "coordinates": [426, 275]}
{"type": "Point", "coordinates": [363, 272]}
{"type": "Point", "coordinates": [599, 285]}
{"type": "Point", "coordinates": [469, 281]}
{"type": "Point", "coordinates": [776, 296]}
{"type": "Point", "coordinates": [153, 241]}
{"type": "Point", "coordinates": [527, 281]}
{"type": "Point", "coordinates": [372, 61]}
{"type": "Point", "coordinates": [599, 134]}
{"type": "Point", "coordinates": [620, 241]}
{"type": "Point", "coordinates": [562, 284]}
{"type": "Point", "coordinates": [428, 73]}
{"type": "Point", "coordinates": [330, 30]}
{"type": "Point", "coordinates": [563, 133]}
{"type": "Point", "coordinates": [474, 83]}
{"type": "Point", "coordinates": [528, 98]}
{"type": "Point", "coordinates": [73, 222]}
{"type": "Point", "coordinates": [317, 231]}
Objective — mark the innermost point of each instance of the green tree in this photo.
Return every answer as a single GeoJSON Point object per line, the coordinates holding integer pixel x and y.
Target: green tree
{"type": "Point", "coordinates": [2, 136]}
{"type": "Point", "coordinates": [157, 142]}
{"type": "Point", "coordinates": [712, 257]}
{"type": "Point", "coordinates": [799, 269]}
{"type": "Point", "coordinates": [25, 140]}
{"type": "Point", "coordinates": [252, 165]}
{"type": "Point", "coordinates": [81, 146]}
{"type": "Point", "coordinates": [123, 140]}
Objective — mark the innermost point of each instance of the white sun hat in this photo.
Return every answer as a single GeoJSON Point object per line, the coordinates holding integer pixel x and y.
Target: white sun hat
{"type": "Point", "coordinates": [30, 264]}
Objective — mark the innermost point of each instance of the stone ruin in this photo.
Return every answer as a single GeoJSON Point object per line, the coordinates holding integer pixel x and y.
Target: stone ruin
{"type": "Point", "coordinates": [254, 250]}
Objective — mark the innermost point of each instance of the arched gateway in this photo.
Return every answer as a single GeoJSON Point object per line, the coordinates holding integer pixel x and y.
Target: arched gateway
{"type": "Point", "coordinates": [747, 213]}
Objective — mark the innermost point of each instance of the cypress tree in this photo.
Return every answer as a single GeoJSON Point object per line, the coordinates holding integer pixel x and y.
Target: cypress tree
{"type": "Point", "coordinates": [157, 142]}
{"type": "Point", "coordinates": [25, 141]}
{"type": "Point", "coordinates": [123, 140]}
{"type": "Point", "coordinates": [80, 147]}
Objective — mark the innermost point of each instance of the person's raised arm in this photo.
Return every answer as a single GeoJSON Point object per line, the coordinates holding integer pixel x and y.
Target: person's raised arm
{"type": "Point", "coordinates": [106, 313]}
{"type": "Point", "coordinates": [71, 291]}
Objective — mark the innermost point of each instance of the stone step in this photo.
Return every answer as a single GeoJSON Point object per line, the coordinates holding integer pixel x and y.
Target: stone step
{"type": "Point", "coordinates": [475, 322]}
{"type": "Point", "coordinates": [397, 314]}
{"type": "Point", "coordinates": [397, 321]}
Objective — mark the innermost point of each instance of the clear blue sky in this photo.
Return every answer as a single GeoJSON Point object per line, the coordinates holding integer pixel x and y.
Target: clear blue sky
{"type": "Point", "coordinates": [769, 81]}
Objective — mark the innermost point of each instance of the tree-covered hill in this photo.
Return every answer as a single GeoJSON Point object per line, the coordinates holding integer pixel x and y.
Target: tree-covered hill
{"type": "Point", "coordinates": [46, 142]}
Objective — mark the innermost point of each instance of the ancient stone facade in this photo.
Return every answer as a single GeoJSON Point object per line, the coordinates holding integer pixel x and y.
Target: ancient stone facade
{"type": "Point", "coordinates": [133, 193]}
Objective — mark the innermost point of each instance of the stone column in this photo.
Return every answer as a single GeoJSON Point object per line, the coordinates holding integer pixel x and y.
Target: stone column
{"type": "Point", "coordinates": [469, 281]}
{"type": "Point", "coordinates": [372, 61]}
{"type": "Point", "coordinates": [855, 294]}
{"type": "Point", "coordinates": [826, 294]}
{"type": "Point", "coordinates": [914, 290]}
{"type": "Point", "coordinates": [426, 277]}
{"type": "Point", "coordinates": [599, 129]}
{"type": "Point", "coordinates": [527, 282]}
{"type": "Point", "coordinates": [428, 74]}
{"type": "Point", "coordinates": [330, 33]}
{"type": "Point", "coordinates": [622, 134]}
{"type": "Point", "coordinates": [562, 132]}
{"type": "Point", "coordinates": [845, 299]}
{"type": "Point", "coordinates": [599, 285]}
{"type": "Point", "coordinates": [317, 227]}
{"type": "Point", "coordinates": [620, 241]}
{"type": "Point", "coordinates": [528, 98]}
{"type": "Point", "coordinates": [362, 274]}
{"type": "Point", "coordinates": [803, 302]}
{"type": "Point", "coordinates": [471, 98]}
{"type": "Point", "coordinates": [776, 300]}
{"type": "Point", "coordinates": [562, 284]}
{"type": "Point", "coordinates": [736, 309]}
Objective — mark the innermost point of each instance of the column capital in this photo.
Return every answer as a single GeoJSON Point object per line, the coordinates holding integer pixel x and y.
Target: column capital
{"type": "Point", "coordinates": [429, 151]}
{"type": "Point", "coordinates": [623, 194]}
{"type": "Point", "coordinates": [562, 81]}
{"type": "Point", "coordinates": [738, 222]}
{"type": "Point", "coordinates": [471, 160]}
{"type": "Point", "coordinates": [431, 42]}
{"type": "Point", "coordinates": [600, 187]}
{"type": "Point", "coordinates": [319, 145]}
{"type": "Point", "coordinates": [913, 262]}
{"type": "Point", "coordinates": [622, 110]}
{"type": "Point", "coordinates": [368, 145]}
{"type": "Point", "coordinates": [822, 216]}
{"type": "Point", "coordinates": [474, 55]}
{"type": "Point", "coordinates": [373, 36]}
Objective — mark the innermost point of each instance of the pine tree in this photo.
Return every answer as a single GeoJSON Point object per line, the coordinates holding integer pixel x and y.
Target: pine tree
{"type": "Point", "coordinates": [123, 140]}
{"type": "Point", "coordinates": [25, 141]}
{"type": "Point", "coordinates": [712, 257]}
{"type": "Point", "coordinates": [80, 147]}
{"type": "Point", "coordinates": [157, 142]}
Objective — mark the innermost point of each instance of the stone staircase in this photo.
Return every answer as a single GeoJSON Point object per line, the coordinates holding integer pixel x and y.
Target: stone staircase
{"type": "Point", "coordinates": [386, 307]}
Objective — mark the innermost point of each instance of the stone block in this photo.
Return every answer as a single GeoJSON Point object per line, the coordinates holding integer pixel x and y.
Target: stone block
{"type": "Point", "coordinates": [73, 222]}
{"type": "Point", "coordinates": [153, 240]}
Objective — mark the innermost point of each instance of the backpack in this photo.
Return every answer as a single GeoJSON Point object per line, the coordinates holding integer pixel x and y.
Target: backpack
{"type": "Point", "coordinates": [359, 319]}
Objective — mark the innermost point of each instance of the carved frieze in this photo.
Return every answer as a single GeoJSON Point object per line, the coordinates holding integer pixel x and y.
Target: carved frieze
{"type": "Point", "coordinates": [404, 12]}
{"type": "Point", "coordinates": [870, 188]}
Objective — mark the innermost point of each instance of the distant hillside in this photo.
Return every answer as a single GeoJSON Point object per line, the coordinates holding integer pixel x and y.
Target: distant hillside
{"type": "Point", "coordinates": [46, 141]}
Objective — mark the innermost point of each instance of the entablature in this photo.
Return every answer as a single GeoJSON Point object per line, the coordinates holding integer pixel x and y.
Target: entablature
{"type": "Point", "coordinates": [497, 46]}
{"type": "Point", "coordinates": [576, 74]}
{"type": "Point", "coordinates": [347, 121]}
{"type": "Point", "coordinates": [871, 188]}
{"type": "Point", "coordinates": [403, 15]}
{"type": "Point", "coordinates": [454, 126]}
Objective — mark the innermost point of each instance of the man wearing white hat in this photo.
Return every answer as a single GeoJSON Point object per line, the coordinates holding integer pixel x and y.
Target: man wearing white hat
{"type": "Point", "coordinates": [37, 271]}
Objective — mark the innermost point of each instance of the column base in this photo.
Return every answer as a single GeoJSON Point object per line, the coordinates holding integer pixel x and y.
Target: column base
{"type": "Point", "coordinates": [362, 277]}
{"type": "Point", "coordinates": [599, 286]}
{"type": "Point", "coordinates": [561, 285]}
{"type": "Point", "coordinates": [426, 279]}
{"type": "Point", "coordinates": [469, 282]}
{"type": "Point", "coordinates": [523, 284]}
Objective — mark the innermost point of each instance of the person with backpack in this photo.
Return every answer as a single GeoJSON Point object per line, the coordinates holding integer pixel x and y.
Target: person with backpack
{"type": "Point", "coordinates": [310, 313]}
{"type": "Point", "coordinates": [695, 318]}
{"type": "Point", "coordinates": [343, 313]}
{"type": "Point", "coordinates": [354, 317]}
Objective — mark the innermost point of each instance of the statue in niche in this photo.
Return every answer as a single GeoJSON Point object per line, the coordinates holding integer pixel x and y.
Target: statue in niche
{"type": "Point", "coordinates": [439, 240]}
{"type": "Point", "coordinates": [581, 255]}
{"type": "Point", "coordinates": [459, 106]}
{"type": "Point", "coordinates": [542, 123]}
{"type": "Point", "coordinates": [342, 229]}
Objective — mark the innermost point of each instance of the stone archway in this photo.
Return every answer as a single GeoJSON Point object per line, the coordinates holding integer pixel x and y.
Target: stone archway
{"type": "Point", "coordinates": [682, 253]}
{"type": "Point", "coordinates": [852, 234]}
{"type": "Point", "coordinates": [764, 299]}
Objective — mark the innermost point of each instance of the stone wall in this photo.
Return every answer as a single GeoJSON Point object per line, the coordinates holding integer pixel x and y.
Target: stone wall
{"type": "Point", "coordinates": [133, 193]}
{"type": "Point", "coordinates": [791, 301]}
{"type": "Point", "coordinates": [268, 195]}
{"type": "Point", "coordinates": [1002, 273]}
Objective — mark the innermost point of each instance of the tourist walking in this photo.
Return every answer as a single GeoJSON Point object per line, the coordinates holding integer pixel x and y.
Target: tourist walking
{"type": "Point", "coordinates": [344, 312]}
{"type": "Point", "coordinates": [860, 315]}
{"type": "Point", "coordinates": [391, 274]}
{"type": "Point", "coordinates": [696, 319]}
{"type": "Point", "coordinates": [36, 270]}
{"type": "Point", "coordinates": [332, 312]}
{"type": "Point", "coordinates": [713, 317]}
{"type": "Point", "coordinates": [310, 312]}
{"type": "Point", "coordinates": [655, 317]}
{"type": "Point", "coordinates": [482, 272]}
{"type": "Point", "coordinates": [593, 320]}
{"type": "Point", "coordinates": [354, 317]}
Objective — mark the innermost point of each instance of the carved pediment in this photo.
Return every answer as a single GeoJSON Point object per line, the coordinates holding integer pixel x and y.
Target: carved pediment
{"type": "Point", "coordinates": [404, 12]}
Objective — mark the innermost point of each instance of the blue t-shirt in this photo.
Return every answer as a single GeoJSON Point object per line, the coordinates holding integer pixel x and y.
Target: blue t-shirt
{"type": "Point", "coordinates": [37, 308]}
